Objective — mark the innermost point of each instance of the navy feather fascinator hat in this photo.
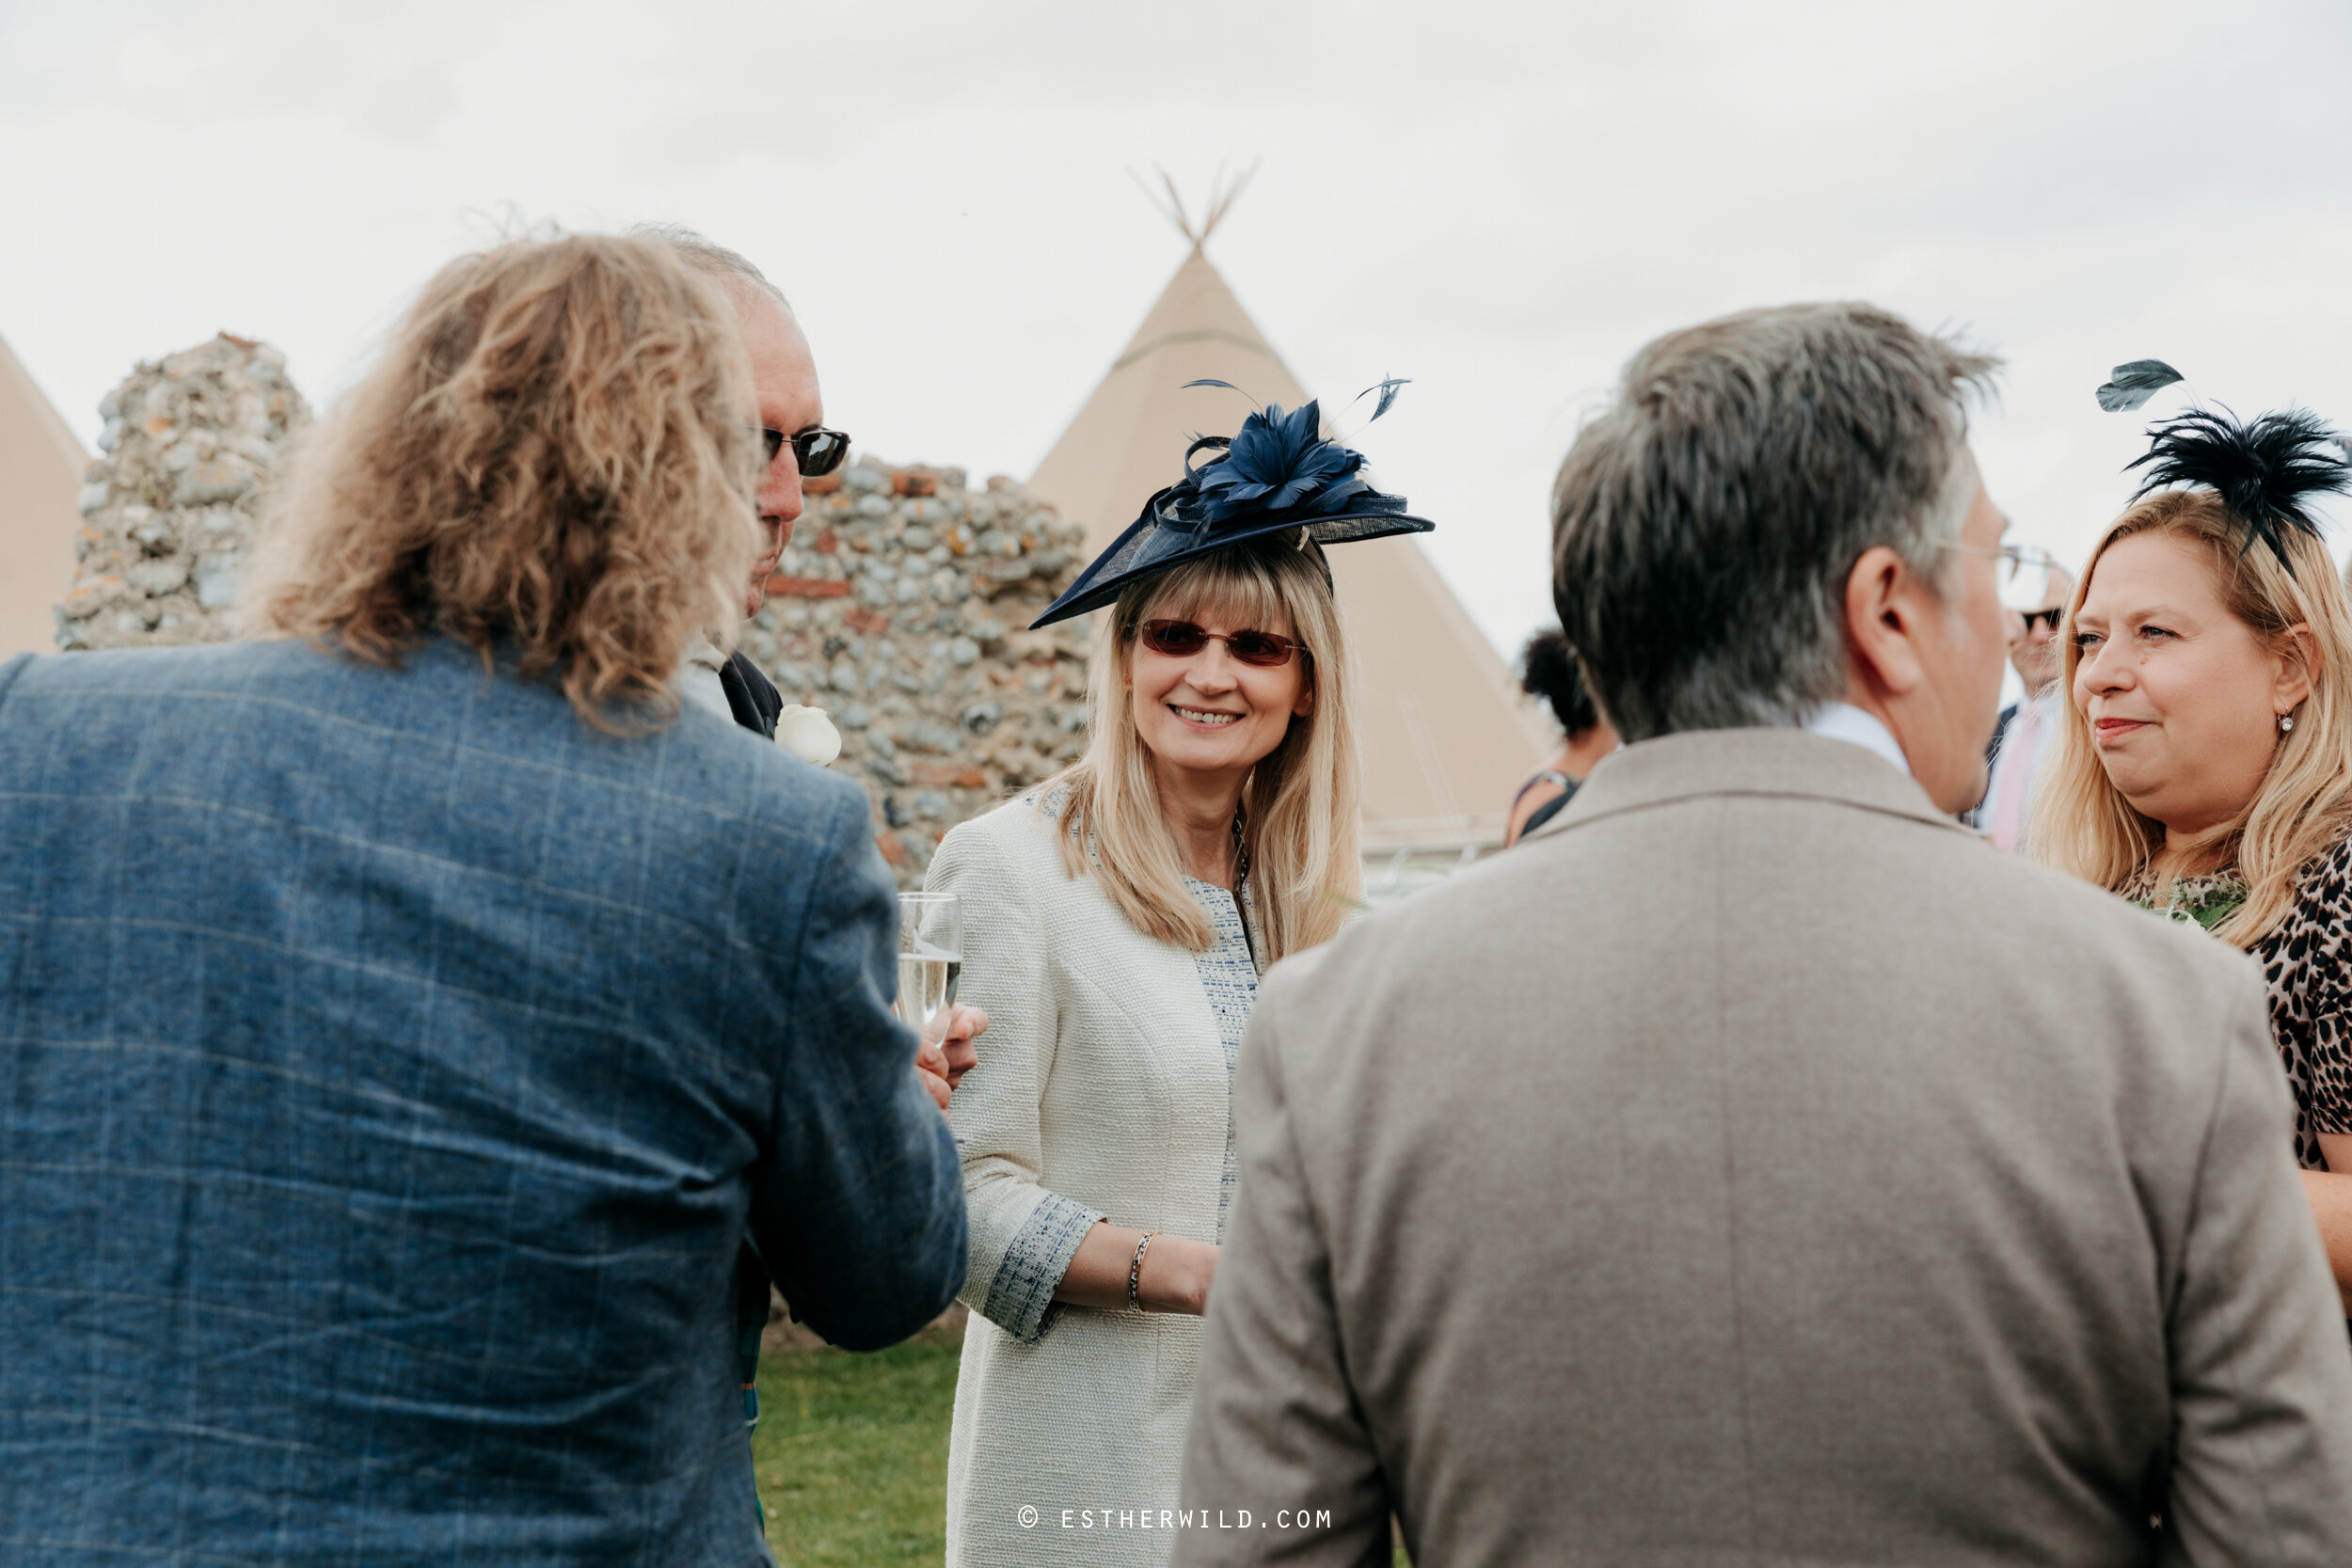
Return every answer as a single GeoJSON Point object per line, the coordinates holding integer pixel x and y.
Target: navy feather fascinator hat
{"type": "Point", "coordinates": [1277, 474]}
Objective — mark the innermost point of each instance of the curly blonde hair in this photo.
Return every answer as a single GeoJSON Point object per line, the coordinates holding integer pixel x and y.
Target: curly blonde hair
{"type": "Point", "coordinates": [554, 462]}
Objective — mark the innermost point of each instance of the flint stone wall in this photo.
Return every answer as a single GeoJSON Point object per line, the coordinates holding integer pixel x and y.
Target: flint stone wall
{"type": "Point", "coordinates": [167, 510]}
{"type": "Point", "coordinates": [898, 610]}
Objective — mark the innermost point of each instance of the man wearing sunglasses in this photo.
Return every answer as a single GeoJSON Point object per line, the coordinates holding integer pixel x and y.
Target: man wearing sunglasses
{"type": "Point", "coordinates": [2022, 734]}
{"type": "Point", "coordinates": [791, 415]}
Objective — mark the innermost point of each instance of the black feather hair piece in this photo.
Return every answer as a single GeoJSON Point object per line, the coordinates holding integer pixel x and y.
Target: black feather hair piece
{"type": "Point", "coordinates": [2262, 468]}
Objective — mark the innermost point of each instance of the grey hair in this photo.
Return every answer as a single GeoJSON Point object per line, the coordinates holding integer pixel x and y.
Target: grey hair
{"type": "Point", "coordinates": [1703, 525]}
{"type": "Point", "coordinates": [710, 257]}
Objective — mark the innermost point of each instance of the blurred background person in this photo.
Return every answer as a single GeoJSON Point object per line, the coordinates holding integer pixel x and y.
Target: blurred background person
{"type": "Point", "coordinates": [1548, 670]}
{"type": "Point", "coordinates": [2022, 737]}
{"type": "Point", "coordinates": [1116, 920]}
{"type": "Point", "coordinates": [2205, 764]}
{"type": "Point", "coordinates": [1806, 1184]}
{"type": "Point", "coordinates": [385, 1207]}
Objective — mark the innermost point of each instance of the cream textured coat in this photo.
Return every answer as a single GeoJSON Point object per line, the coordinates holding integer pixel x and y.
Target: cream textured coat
{"type": "Point", "coordinates": [1755, 1168]}
{"type": "Point", "coordinates": [1102, 1090]}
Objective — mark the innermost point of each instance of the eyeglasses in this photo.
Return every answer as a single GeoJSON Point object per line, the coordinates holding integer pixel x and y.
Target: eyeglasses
{"type": "Point", "coordinates": [1182, 640]}
{"type": "Point", "coordinates": [819, 451]}
{"type": "Point", "coordinates": [2048, 617]}
{"type": "Point", "coordinates": [2025, 571]}
{"type": "Point", "coordinates": [2015, 559]}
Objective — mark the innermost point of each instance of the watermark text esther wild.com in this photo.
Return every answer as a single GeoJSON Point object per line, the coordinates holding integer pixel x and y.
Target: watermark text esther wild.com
{"type": "Point", "coordinates": [1179, 1518]}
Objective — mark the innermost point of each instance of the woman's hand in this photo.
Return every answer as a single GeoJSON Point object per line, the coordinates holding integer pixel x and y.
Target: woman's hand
{"type": "Point", "coordinates": [945, 1061]}
{"type": "Point", "coordinates": [1177, 1271]}
{"type": "Point", "coordinates": [964, 1026]}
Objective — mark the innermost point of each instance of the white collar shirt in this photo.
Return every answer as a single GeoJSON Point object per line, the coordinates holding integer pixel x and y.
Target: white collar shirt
{"type": "Point", "coordinates": [1844, 721]}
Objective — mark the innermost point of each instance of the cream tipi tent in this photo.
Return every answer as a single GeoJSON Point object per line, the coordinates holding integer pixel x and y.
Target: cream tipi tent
{"type": "Point", "coordinates": [1446, 736]}
{"type": "Point", "coordinates": [41, 474]}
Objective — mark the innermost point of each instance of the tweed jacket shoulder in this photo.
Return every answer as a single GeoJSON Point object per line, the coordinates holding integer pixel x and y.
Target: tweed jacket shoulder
{"type": "Point", "coordinates": [1755, 1166]}
{"type": "Point", "coordinates": [390, 1066]}
{"type": "Point", "coordinates": [1102, 1091]}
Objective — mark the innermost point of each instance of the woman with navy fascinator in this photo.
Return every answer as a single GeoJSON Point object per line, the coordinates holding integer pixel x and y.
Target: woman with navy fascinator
{"type": "Point", "coordinates": [2203, 766]}
{"type": "Point", "coordinates": [1116, 920]}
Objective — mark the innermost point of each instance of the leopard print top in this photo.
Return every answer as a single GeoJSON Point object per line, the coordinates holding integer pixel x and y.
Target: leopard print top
{"type": "Point", "coordinates": [2307, 966]}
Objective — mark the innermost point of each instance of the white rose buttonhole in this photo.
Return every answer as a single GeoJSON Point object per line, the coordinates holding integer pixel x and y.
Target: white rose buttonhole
{"type": "Point", "coordinates": [808, 735]}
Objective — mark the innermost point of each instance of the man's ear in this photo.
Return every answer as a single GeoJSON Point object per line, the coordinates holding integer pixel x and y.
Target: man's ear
{"type": "Point", "coordinates": [1883, 620]}
{"type": "Point", "coordinates": [2295, 650]}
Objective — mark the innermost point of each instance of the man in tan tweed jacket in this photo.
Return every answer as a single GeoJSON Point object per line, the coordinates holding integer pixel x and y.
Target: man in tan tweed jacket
{"type": "Point", "coordinates": [1753, 1167]}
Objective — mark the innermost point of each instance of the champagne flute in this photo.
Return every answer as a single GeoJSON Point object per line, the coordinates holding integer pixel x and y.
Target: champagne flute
{"type": "Point", "coordinates": [930, 960]}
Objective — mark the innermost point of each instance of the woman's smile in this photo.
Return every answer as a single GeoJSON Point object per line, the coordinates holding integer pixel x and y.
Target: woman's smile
{"type": "Point", "coordinates": [1207, 719]}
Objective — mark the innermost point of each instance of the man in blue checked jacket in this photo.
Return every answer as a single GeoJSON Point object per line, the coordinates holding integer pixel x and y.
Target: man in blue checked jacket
{"type": "Point", "coordinates": [400, 1022]}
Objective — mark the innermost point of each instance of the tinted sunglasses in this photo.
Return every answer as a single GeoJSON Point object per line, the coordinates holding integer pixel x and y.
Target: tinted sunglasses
{"type": "Point", "coordinates": [818, 452]}
{"type": "Point", "coordinates": [2049, 616]}
{"type": "Point", "coordinates": [1182, 640]}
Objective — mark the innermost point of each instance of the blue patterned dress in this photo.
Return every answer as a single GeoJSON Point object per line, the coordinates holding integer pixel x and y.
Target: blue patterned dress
{"type": "Point", "coordinates": [1229, 978]}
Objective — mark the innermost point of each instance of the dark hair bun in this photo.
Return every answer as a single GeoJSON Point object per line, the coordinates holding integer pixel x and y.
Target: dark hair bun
{"type": "Point", "coordinates": [1549, 671]}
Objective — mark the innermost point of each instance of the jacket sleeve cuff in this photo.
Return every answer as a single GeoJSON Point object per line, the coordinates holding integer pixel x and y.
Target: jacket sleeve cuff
{"type": "Point", "coordinates": [1020, 1298]}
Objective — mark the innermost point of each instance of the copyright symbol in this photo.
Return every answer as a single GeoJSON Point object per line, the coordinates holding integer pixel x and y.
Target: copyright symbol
{"type": "Point", "coordinates": [1028, 1517]}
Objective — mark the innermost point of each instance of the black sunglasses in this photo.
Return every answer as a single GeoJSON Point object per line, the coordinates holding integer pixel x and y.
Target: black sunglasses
{"type": "Point", "coordinates": [2049, 616]}
{"type": "Point", "coordinates": [818, 452]}
{"type": "Point", "coordinates": [1182, 640]}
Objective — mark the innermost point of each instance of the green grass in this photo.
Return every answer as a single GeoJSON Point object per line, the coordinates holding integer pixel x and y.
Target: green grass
{"type": "Point", "coordinates": [851, 1453]}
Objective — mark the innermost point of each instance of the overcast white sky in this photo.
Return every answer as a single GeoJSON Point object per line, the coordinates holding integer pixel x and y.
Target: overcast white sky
{"type": "Point", "coordinates": [1498, 201]}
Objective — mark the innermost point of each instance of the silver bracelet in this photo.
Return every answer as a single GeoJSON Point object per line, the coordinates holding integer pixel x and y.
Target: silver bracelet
{"type": "Point", "coordinates": [1134, 1273]}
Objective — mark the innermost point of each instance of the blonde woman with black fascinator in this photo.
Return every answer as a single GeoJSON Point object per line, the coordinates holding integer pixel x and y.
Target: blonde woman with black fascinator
{"type": "Point", "coordinates": [1117, 921]}
{"type": "Point", "coordinates": [2203, 766]}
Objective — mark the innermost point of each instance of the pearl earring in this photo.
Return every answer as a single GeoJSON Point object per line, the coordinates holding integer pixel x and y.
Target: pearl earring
{"type": "Point", "coordinates": [2286, 723]}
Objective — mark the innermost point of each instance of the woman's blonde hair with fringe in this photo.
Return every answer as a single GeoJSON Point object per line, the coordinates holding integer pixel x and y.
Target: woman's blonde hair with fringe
{"type": "Point", "coordinates": [1301, 807]}
{"type": "Point", "coordinates": [2081, 823]}
{"type": "Point", "coordinates": [555, 459]}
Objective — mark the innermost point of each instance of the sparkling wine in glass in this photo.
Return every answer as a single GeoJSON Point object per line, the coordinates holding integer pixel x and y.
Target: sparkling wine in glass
{"type": "Point", "coordinates": [930, 959]}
